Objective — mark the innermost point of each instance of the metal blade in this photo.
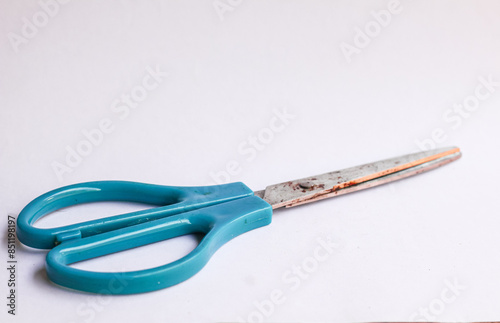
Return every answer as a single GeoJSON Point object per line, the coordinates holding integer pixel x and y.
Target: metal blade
{"type": "Point", "coordinates": [311, 189]}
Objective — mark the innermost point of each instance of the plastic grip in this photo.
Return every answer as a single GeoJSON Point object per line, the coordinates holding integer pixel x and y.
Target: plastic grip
{"type": "Point", "coordinates": [220, 223]}
{"type": "Point", "coordinates": [171, 199]}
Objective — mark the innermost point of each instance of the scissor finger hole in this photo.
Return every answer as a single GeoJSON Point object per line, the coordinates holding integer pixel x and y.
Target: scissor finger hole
{"type": "Point", "coordinates": [143, 257]}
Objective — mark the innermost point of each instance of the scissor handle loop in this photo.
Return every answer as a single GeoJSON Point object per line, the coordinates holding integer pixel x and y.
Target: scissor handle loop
{"type": "Point", "coordinates": [170, 199]}
{"type": "Point", "coordinates": [220, 223]}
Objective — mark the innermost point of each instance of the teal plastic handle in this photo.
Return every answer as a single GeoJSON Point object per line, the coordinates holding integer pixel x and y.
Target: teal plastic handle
{"type": "Point", "coordinates": [171, 199]}
{"type": "Point", "coordinates": [220, 223]}
{"type": "Point", "coordinates": [220, 212]}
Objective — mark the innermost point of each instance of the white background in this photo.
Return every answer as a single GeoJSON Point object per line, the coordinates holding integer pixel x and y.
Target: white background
{"type": "Point", "coordinates": [402, 249]}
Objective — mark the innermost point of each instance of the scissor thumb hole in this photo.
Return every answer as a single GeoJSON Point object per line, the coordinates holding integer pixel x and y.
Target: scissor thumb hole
{"type": "Point", "coordinates": [92, 211]}
{"type": "Point", "coordinates": [102, 191]}
{"type": "Point", "coordinates": [169, 199]}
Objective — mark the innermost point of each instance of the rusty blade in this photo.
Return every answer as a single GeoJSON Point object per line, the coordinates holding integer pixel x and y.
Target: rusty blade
{"type": "Point", "coordinates": [310, 189]}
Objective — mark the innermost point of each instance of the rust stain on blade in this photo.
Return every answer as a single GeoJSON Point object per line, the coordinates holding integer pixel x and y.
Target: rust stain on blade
{"type": "Point", "coordinates": [305, 190]}
{"type": "Point", "coordinates": [418, 169]}
{"type": "Point", "coordinates": [395, 169]}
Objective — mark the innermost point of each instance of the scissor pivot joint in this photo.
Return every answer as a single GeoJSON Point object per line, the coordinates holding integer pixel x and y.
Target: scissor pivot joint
{"type": "Point", "coordinates": [305, 185]}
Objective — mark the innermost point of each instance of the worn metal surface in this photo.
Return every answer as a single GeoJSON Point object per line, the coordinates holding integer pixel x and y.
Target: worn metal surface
{"type": "Point", "coordinates": [310, 189]}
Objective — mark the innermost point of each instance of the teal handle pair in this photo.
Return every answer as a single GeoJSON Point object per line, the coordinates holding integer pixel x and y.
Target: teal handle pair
{"type": "Point", "coordinates": [219, 212]}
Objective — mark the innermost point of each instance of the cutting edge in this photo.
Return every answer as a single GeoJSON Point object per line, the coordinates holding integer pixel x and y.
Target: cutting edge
{"type": "Point", "coordinates": [398, 171]}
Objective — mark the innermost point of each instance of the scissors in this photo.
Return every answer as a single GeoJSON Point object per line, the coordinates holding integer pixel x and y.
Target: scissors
{"type": "Point", "coordinates": [219, 212]}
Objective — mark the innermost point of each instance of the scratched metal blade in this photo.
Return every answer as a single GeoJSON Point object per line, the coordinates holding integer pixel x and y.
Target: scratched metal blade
{"type": "Point", "coordinates": [310, 189]}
